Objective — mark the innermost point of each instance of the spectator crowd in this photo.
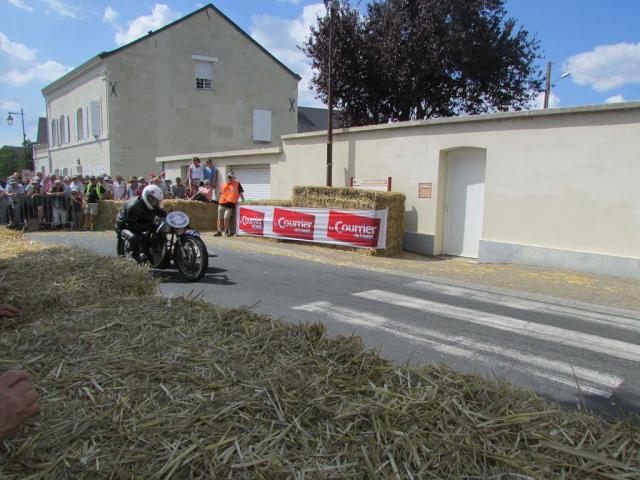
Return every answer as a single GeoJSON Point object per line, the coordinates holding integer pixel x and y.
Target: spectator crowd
{"type": "Point", "coordinates": [73, 201]}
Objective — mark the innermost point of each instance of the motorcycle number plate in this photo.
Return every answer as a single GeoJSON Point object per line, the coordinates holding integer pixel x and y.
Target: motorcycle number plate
{"type": "Point", "coordinates": [178, 219]}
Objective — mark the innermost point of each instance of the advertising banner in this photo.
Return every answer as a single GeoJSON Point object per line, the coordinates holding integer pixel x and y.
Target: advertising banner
{"type": "Point", "coordinates": [353, 228]}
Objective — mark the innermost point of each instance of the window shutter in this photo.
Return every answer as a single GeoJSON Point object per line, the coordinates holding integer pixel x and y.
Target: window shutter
{"type": "Point", "coordinates": [53, 133]}
{"type": "Point", "coordinates": [68, 129]}
{"type": "Point", "coordinates": [86, 122]}
{"type": "Point", "coordinates": [95, 118]}
{"type": "Point", "coordinates": [79, 125]}
{"type": "Point", "coordinates": [204, 70]}
{"type": "Point", "coordinates": [261, 125]}
{"type": "Point", "coordinates": [62, 134]}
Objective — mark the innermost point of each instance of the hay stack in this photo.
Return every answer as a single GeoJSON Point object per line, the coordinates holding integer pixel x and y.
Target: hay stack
{"type": "Point", "coordinates": [330, 197]}
{"type": "Point", "coordinates": [203, 215]}
{"type": "Point", "coordinates": [140, 386]}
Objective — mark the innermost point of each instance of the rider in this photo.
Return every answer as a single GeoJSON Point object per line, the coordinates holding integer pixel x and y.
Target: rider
{"type": "Point", "coordinates": [139, 215]}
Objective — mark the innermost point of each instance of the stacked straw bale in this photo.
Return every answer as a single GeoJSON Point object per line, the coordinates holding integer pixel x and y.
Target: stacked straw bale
{"type": "Point", "coordinates": [203, 215]}
{"type": "Point", "coordinates": [135, 385]}
{"type": "Point", "coordinates": [350, 198]}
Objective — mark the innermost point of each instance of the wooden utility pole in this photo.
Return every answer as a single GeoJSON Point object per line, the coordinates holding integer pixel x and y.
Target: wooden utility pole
{"type": "Point", "coordinates": [547, 90]}
{"type": "Point", "coordinates": [330, 100]}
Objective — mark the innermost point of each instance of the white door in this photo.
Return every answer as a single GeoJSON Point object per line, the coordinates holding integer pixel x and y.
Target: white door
{"type": "Point", "coordinates": [465, 202]}
{"type": "Point", "coordinates": [255, 180]}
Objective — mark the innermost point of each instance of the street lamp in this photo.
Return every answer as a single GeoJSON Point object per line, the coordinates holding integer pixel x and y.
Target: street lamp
{"type": "Point", "coordinates": [333, 6]}
{"type": "Point", "coordinates": [24, 136]}
{"type": "Point", "coordinates": [547, 90]}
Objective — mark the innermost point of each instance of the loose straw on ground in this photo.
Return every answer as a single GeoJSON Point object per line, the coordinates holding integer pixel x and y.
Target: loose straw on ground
{"type": "Point", "coordinates": [135, 385]}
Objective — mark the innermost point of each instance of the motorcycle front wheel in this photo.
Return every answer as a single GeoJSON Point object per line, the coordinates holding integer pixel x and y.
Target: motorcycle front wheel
{"type": "Point", "coordinates": [192, 258]}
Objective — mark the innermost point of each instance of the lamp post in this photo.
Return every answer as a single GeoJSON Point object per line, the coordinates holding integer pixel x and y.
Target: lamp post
{"type": "Point", "coordinates": [549, 84]}
{"type": "Point", "coordinates": [24, 136]}
{"type": "Point", "coordinates": [333, 6]}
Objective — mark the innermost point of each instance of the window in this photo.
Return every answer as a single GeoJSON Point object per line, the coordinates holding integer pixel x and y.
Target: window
{"type": "Point", "coordinates": [204, 71]}
{"type": "Point", "coordinates": [79, 125]}
{"type": "Point", "coordinates": [65, 172]}
{"type": "Point", "coordinates": [68, 129]}
{"type": "Point", "coordinates": [204, 75]}
{"type": "Point", "coordinates": [261, 125]}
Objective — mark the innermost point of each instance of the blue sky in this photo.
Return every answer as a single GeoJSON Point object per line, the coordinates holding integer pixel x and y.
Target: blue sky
{"type": "Point", "coordinates": [597, 41]}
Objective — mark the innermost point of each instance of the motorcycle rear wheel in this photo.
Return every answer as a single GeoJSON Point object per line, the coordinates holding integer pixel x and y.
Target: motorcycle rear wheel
{"type": "Point", "coordinates": [192, 258]}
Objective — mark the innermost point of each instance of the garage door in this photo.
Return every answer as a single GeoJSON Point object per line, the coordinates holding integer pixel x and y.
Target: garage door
{"type": "Point", "coordinates": [256, 181]}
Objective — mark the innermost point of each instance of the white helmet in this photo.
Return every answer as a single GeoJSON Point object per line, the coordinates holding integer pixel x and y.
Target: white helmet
{"type": "Point", "coordinates": [152, 196]}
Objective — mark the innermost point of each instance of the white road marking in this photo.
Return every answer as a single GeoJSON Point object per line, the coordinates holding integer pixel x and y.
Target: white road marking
{"type": "Point", "coordinates": [594, 343]}
{"type": "Point", "coordinates": [547, 369]}
{"type": "Point", "coordinates": [531, 305]}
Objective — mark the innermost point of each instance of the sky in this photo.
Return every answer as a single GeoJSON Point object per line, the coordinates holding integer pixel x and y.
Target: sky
{"type": "Point", "coordinates": [597, 42]}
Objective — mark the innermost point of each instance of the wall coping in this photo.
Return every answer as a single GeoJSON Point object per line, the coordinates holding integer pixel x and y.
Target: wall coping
{"type": "Point", "coordinates": [226, 153]}
{"type": "Point", "coordinates": [490, 117]}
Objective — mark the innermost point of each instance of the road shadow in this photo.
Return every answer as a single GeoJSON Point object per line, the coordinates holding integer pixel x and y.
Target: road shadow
{"type": "Point", "coordinates": [213, 276]}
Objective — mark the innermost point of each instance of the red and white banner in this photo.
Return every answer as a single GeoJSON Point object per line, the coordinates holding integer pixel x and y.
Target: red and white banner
{"type": "Point", "coordinates": [353, 228]}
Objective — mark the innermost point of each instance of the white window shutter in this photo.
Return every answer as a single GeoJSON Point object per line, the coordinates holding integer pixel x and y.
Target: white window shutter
{"type": "Point", "coordinates": [204, 70]}
{"type": "Point", "coordinates": [95, 118]}
{"type": "Point", "coordinates": [261, 125]}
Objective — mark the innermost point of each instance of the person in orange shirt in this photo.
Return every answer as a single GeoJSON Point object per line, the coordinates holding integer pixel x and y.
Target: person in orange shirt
{"type": "Point", "coordinates": [230, 192]}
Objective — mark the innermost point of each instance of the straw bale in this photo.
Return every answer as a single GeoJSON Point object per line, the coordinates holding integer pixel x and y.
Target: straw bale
{"type": "Point", "coordinates": [351, 198]}
{"type": "Point", "coordinates": [203, 215]}
{"type": "Point", "coordinates": [154, 387]}
{"type": "Point", "coordinates": [274, 203]}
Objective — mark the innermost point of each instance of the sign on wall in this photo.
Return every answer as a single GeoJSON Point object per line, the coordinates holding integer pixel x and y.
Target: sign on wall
{"type": "Point", "coordinates": [380, 184]}
{"type": "Point", "coordinates": [424, 190]}
{"type": "Point", "coordinates": [352, 228]}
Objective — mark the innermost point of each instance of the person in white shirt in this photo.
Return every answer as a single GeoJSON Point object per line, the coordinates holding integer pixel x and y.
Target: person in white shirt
{"type": "Point", "coordinates": [119, 188]}
{"type": "Point", "coordinates": [196, 175]}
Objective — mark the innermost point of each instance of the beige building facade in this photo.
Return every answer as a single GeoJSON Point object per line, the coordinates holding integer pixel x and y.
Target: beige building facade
{"type": "Point", "coordinates": [555, 187]}
{"type": "Point", "coordinates": [200, 83]}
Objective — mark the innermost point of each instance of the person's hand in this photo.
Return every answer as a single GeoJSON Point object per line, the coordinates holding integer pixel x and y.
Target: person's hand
{"type": "Point", "coordinates": [18, 401]}
{"type": "Point", "coordinates": [9, 311]}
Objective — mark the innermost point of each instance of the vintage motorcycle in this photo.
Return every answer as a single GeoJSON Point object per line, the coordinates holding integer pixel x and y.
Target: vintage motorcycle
{"type": "Point", "coordinates": [171, 242]}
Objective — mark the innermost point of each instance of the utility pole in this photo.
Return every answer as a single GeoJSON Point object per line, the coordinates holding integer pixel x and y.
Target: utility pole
{"type": "Point", "coordinates": [547, 90]}
{"type": "Point", "coordinates": [332, 7]}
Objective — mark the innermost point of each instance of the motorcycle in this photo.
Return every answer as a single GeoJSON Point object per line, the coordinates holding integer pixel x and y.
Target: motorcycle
{"type": "Point", "coordinates": [172, 241]}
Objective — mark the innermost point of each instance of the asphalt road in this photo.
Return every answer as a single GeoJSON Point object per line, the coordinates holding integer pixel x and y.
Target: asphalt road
{"type": "Point", "coordinates": [569, 353]}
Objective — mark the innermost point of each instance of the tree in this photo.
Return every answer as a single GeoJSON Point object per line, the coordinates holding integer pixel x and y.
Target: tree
{"type": "Point", "coordinates": [12, 160]}
{"type": "Point", "coordinates": [415, 59]}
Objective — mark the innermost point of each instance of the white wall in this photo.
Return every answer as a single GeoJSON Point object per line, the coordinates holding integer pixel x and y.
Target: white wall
{"type": "Point", "coordinates": [92, 151]}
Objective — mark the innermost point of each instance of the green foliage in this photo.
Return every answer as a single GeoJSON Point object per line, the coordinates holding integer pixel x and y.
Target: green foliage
{"type": "Point", "coordinates": [415, 59]}
{"type": "Point", "coordinates": [12, 159]}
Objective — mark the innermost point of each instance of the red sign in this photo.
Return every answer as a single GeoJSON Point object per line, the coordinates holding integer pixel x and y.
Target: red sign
{"type": "Point", "coordinates": [293, 224]}
{"type": "Point", "coordinates": [251, 221]}
{"type": "Point", "coordinates": [355, 229]}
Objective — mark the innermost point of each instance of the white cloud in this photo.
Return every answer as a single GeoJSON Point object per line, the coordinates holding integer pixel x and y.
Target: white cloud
{"type": "Point", "coordinates": [9, 105]}
{"type": "Point", "coordinates": [110, 15]}
{"type": "Point", "coordinates": [606, 67]}
{"type": "Point", "coordinates": [17, 51]}
{"type": "Point", "coordinates": [43, 72]}
{"type": "Point", "coordinates": [62, 9]}
{"type": "Point", "coordinates": [615, 99]}
{"type": "Point", "coordinates": [160, 16]}
{"type": "Point", "coordinates": [282, 37]}
{"type": "Point", "coordinates": [538, 101]}
{"type": "Point", "coordinates": [21, 5]}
